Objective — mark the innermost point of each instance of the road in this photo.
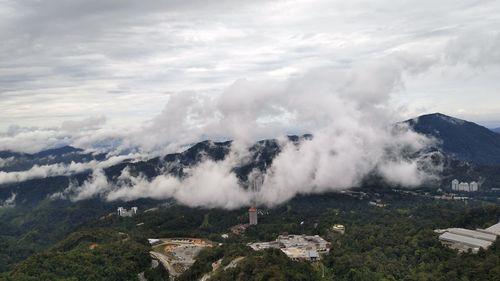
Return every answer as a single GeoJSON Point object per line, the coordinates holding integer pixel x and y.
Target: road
{"type": "Point", "coordinates": [164, 261]}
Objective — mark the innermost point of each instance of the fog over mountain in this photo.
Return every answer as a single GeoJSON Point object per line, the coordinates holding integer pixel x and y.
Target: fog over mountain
{"type": "Point", "coordinates": [347, 112]}
{"type": "Point", "coordinates": [182, 72]}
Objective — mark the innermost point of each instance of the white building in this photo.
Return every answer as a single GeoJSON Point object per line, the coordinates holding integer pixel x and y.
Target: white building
{"type": "Point", "coordinates": [474, 186]}
{"type": "Point", "coordinates": [297, 247]}
{"type": "Point", "coordinates": [465, 239]}
{"type": "Point", "coordinates": [339, 228]}
{"type": "Point", "coordinates": [464, 186]}
{"type": "Point", "coordinates": [122, 212]}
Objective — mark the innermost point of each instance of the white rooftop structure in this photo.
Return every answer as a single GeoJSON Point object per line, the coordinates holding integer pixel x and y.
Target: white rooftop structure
{"type": "Point", "coordinates": [473, 234]}
{"type": "Point", "coordinates": [463, 243]}
{"type": "Point", "coordinates": [297, 247]}
{"type": "Point", "coordinates": [465, 239]}
{"type": "Point", "coordinates": [122, 212]}
{"type": "Point", "coordinates": [495, 229]}
{"type": "Point", "coordinates": [339, 228]}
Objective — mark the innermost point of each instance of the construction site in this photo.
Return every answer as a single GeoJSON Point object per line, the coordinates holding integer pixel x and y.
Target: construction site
{"type": "Point", "coordinates": [177, 254]}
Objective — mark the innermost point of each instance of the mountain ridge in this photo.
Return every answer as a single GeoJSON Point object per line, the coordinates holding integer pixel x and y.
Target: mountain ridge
{"type": "Point", "coordinates": [459, 138]}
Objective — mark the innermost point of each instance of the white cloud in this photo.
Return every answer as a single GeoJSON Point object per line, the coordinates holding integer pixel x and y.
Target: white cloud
{"type": "Point", "coordinates": [61, 60]}
{"type": "Point", "coordinates": [336, 69]}
{"type": "Point", "coordinates": [45, 171]}
{"type": "Point", "coordinates": [9, 202]}
{"type": "Point", "coordinates": [346, 111]}
{"type": "Point", "coordinates": [6, 161]}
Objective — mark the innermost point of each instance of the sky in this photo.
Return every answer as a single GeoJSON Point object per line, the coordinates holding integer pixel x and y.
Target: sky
{"type": "Point", "coordinates": [138, 79]}
{"type": "Point", "coordinates": [118, 63]}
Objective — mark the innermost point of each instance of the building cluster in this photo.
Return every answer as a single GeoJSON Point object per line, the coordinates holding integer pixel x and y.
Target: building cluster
{"type": "Point", "coordinates": [297, 247]}
{"type": "Point", "coordinates": [464, 186]}
{"type": "Point", "coordinates": [464, 240]}
{"type": "Point", "coordinates": [122, 212]}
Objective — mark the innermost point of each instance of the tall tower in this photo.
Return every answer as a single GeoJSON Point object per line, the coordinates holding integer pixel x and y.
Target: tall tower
{"type": "Point", "coordinates": [256, 180]}
{"type": "Point", "coordinates": [252, 214]}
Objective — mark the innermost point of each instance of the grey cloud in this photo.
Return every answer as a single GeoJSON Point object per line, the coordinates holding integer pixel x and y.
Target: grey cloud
{"type": "Point", "coordinates": [85, 124]}
{"type": "Point", "coordinates": [8, 202]}
{"type": "Point", "coordinates": [479, 49]}
{"type": "Point", "coordinates": [61, 51]}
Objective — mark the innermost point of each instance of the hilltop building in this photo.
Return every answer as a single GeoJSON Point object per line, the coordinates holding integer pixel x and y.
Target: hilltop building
{"type": "Point", "coordinates": [465, 239]}
{"type": "Point", "coordinates": [122, 212]}
{"type": "Point", "coordinates": [297, 247]}
{"type": "Point", "coordinates": [339, 228]}
{"type": "Point", "coordinates": [252, 214]}
{"type": "Point", "coordinates": [239, 229]}
{"type": "Point", "coordinates": [464, 186]}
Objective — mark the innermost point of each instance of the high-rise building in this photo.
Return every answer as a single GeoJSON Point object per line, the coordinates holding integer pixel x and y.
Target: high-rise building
{"type": "Point", "coordinates": [252, 214]}
{"type": "Point", "coordinates": [122, 212]}
{"type": "Point", "coordinates": [474, 186]}
{"type": "Point", "coordinates": [463, 186]}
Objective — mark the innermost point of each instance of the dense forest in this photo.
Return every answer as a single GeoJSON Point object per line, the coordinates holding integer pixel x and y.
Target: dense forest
{"type": "Point", "coordinates": [392, 243]}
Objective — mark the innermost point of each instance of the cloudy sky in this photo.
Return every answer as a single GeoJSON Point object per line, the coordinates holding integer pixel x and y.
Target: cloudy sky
{"type": "Point", "coordinates": [119, 62]}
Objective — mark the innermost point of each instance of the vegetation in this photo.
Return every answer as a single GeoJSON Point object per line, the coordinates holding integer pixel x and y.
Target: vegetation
{"type": "Point", "coordinates": [392, 243]}
{"type": "Point", "coordinates": [86, 255]}
{"type": "Point", "coordinates": [271, 264]}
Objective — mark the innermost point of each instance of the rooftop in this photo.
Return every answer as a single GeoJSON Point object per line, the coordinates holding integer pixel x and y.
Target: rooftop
{"type": "Point", "coordinates": [468, 241]}
{"type": "Point", "coordinates": [495, 229]}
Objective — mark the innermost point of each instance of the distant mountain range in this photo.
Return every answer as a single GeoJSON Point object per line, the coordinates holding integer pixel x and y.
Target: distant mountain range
{"type": "Point", "coordinates": [62, 155]}
{"type": "Point", "coordinates": [470, 152]}
{"type": "Point", "coordinates": [460, 139]}
{"type": "Point", "coordinates": [496, 130]}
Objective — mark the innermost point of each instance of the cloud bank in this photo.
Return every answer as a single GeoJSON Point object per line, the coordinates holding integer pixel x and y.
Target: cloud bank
{"type": "Point", "coordinates": [44, 171]}
{"type": "Point", "coordinates": [347, 112]}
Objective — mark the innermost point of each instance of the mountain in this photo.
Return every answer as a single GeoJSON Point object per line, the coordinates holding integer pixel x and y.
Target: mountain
{"type": "Point", "coordinates": [15, 161]}
{"type": "Point", "coordinates": [458, 138]}
{"type": "Point", "coordinates": [496, 130]}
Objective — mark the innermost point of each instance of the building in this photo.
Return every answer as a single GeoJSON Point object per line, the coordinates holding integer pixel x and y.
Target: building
{"type": "Point", "coordinates": [377, 204]}
{"type": "Point", "coordinates": [463, 186]}
{"type": "Point", "coordinates": [122, 212]}
{"type": "Point", "coordinates": [464, 240]}
{"type": "Point", "coordinates": [297, 247]}
{"type": "Point", "coordinates": [474, 186]}
{"type": "Point", "coordinates": [239, 229]}
{"type": "Point", "coordinates": [339, 228]}
{"type": "Point", "coordinates": [252, 214]}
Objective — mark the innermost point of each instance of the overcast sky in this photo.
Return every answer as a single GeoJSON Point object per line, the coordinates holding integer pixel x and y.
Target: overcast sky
{"type": "Point", "coordinates": [121, 60]}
